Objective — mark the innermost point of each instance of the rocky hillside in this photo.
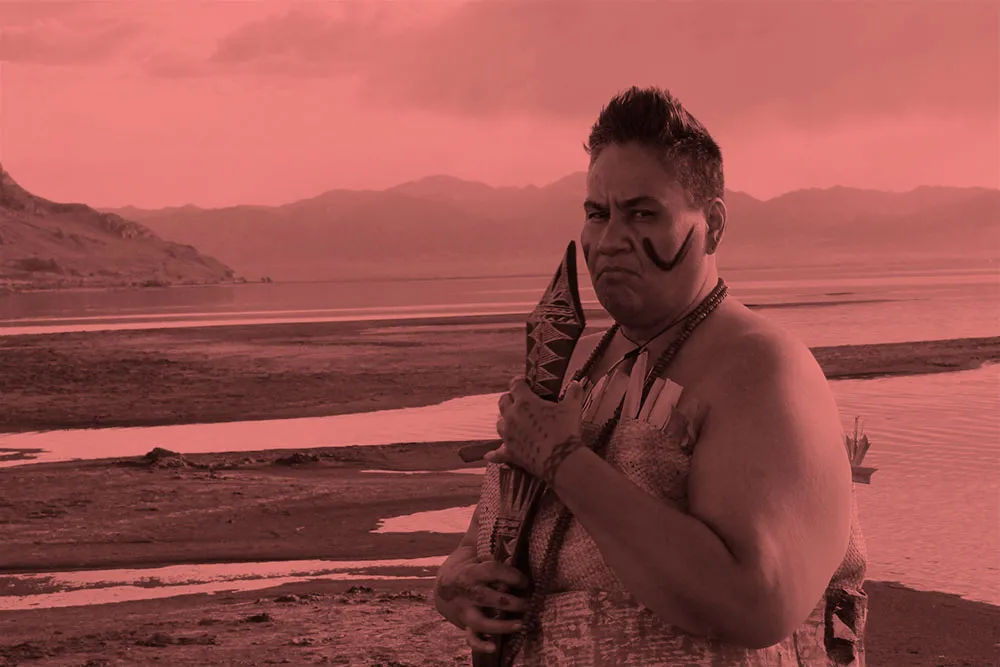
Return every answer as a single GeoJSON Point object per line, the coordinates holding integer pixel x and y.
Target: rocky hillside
{"type": "Point", "coordinates": [44, 244]}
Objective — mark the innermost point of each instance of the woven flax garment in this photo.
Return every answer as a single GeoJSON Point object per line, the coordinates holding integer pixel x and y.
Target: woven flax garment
{"type": "Point", "coordinates": [591, 620]}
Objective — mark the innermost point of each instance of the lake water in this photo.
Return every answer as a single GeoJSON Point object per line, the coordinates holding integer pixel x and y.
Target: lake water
{"type": "Point", "coordinates": [930, 516]}
{"type": "Point", "coordinates": [89, 587]}
{"type": "Point", "coordinates": [885, 305]}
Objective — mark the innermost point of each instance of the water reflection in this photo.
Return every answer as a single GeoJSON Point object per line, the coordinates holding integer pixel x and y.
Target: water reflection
{"type": "Point", "coordinates": [955, 295]}
{"type": "Point", "coordinates": [70, 589]}
{"type": "Point", "coordinates": [143, 322]}
{"type": "Point", "coordinates": [930, 516]}
{"type": "Point", "coordinates": [451, 520]}
{"type": "Point", "coordinates": [460, 419]}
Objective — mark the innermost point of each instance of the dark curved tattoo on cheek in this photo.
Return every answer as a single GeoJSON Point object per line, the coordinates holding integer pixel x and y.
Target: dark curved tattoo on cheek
{"type": "Point", "coordinates": [647, 245]}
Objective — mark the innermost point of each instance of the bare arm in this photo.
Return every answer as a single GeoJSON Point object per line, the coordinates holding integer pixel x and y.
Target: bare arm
{"type": "Point", "coordinates": [769, 515]}
{"type": "Point", "coordinates": [772, 479]}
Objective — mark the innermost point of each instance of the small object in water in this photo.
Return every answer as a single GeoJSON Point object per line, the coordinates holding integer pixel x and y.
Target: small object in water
{"type": "Point", "coordinates": [857, 448]}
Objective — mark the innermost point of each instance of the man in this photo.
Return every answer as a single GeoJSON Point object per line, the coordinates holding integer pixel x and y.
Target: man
{"type": "Point", "coordinates": [750, 563]}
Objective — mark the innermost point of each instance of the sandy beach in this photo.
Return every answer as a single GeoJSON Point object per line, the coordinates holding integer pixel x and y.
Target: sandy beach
{"type": "Point", "coordinates": [281, 505]}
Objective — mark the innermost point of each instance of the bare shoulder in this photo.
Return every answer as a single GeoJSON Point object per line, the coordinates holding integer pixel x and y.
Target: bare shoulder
{"type": "Point", "coordinates": [753, 353]}
{"type": "Point", "coordinates": [770, 401]}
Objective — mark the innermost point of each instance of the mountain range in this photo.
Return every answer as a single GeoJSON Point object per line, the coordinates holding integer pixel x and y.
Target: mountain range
{"type": "Point", "coordinates": [442, 226]}
{"type": "Point", "coordinates": [45, 244]}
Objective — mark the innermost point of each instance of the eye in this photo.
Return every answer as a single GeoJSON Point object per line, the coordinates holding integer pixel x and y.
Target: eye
{"type": "Point", "coordinates": [596, 215]}
{"type": "Point", "coordinates": [644, 215]}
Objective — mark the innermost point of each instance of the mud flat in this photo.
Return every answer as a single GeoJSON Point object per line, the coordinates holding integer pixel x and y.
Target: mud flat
{"type": "Point", "coordinates": [238, 373]}
{"type": "Point", "coordinates": [241, 507]}
{"type": "Point", "coordinates": [287, 505]}
{"type": "Point", "coordinates": [393, 624]}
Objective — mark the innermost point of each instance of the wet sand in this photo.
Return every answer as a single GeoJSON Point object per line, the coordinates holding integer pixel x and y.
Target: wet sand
{"type": "Point", "coordinates": [223, 374]}
{"type": "Point", "coordinates": [282, 505]}
{"type": "Point", "coordinates": [393, 624]}
{"type": "Point", "coordinates": [243, 507]}
{"type": "Point", "coordinates": [290, 505]}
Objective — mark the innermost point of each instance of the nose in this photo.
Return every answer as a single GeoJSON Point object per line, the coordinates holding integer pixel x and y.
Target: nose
{"type": "Point", "coordinates": [615, 237]}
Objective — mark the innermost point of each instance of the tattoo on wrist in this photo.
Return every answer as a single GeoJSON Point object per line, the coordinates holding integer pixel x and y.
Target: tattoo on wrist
{"type": "Point", "coordinates": [557, 456]}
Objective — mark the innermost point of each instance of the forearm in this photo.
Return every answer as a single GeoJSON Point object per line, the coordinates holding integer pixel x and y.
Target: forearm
{"type": "Point", "coordinates": [670, 561]}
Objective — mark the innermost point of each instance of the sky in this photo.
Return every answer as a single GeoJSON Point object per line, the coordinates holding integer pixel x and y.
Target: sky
{"type": "Point", "coordinates": [170, 102]}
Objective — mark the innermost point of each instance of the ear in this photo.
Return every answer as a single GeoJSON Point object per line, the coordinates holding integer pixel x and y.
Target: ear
{"type": "Point", "coordinates": [715, 217]}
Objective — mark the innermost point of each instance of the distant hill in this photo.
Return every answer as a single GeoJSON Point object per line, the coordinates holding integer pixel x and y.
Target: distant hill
{"type": "Point", "coordinates": [441, 226]}
{"type": "Point", "coordinates": [44, 244]}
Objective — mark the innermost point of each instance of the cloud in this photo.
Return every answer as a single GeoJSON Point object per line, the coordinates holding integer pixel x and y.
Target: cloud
{"type": "Point", "coordinates": [806, 61]}
{"type": "Point", "coordinates": [56, 33]}
{"type": "Point", "coordinates": [740, 62]}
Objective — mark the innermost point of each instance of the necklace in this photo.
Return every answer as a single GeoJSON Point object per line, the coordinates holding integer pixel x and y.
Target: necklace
{"type": "Point", "coordinates": [548, 567]}
{"type": "Point", "coordinates": [673, 323]}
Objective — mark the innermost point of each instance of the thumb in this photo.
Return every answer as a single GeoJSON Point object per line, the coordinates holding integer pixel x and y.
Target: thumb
{"type": "Point", "coordinates": [575, 391]}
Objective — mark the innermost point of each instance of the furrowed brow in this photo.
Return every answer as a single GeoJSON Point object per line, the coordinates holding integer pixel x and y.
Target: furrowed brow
{"type": "Point", "coordinates": [643, 200]}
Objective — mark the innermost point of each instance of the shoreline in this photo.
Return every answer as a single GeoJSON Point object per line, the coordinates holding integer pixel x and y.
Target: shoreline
{"type": "Point", "coordinates": [282, 505]}
{"type": "Point", "coordinates": [204, 375]}
{"type": "Point", "coordinates": [393, 624]}
{"type": "Point", "coordinates": [217, 320]}
{"type": "Point", "coordinates": [144, 512]}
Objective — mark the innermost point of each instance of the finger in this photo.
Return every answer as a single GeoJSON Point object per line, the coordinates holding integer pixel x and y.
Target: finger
{"type": "Point", "coordinates": [493, 601]}
{"type": "Point", "coordinates": [518, 386]}
{"type": "Point", "coordinates": [499, 455]}
{"type": "Point", "coordinates": [505, 402]}
{"type": "Point", "coordinates": [476, 621]}
{"type": "Point", "coordinates": [494, 572]}
{"type": "Point", "coordinates": [500, 597]}
{"type": "Point", "coordinates": [477, 644]}
{"type": "Point", "coordinates": [501, 423]}
{"type": "Point", "coordinates": [514, 604]}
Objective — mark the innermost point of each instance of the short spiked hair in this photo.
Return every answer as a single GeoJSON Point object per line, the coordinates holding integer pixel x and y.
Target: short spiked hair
{"type": "Point", "coordinates": [653, 118]}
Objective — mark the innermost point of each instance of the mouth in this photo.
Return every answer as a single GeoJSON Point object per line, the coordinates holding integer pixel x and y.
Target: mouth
{"type": "Point", "coordinates": [615, 271]}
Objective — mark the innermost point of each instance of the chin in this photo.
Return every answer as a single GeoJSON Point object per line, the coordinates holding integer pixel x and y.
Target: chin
{"type": "Point", "coordinates": [622, 308]}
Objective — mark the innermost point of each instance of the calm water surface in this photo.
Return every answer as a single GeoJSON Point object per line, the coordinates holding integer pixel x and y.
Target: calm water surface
{"type": "Point", "coordinates": [71, 589]}
{"type": "Point", "coordinates": [925, 304]}
{"type": "Point", "coordinates": [930, 516]}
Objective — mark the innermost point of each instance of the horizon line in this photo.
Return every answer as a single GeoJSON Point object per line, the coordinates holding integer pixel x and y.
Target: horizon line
{"type": "Point", "coordinates": [428, 177]}
{"type": "Point", "coordinates": [525, 187]}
